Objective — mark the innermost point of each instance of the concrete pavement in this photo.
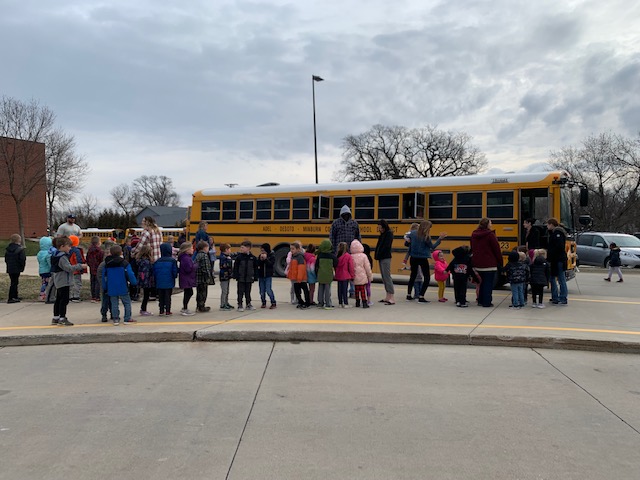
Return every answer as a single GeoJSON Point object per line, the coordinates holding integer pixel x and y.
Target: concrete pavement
{"type": "Point", "coordinates": [601, 316]}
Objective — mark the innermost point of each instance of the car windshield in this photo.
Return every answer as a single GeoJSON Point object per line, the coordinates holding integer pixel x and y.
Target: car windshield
{"type": "Point", "coordinates": [623, 240]}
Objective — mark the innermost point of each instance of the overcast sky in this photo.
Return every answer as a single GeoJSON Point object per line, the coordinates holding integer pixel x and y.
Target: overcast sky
{"type": "Point", "coordinates": [215, 92]}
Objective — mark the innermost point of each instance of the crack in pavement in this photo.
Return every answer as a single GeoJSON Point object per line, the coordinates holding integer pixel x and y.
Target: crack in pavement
{"type": "Point", "coordinates": [485, 318]}
{"type": "Point", "coordinates": [586, 391]}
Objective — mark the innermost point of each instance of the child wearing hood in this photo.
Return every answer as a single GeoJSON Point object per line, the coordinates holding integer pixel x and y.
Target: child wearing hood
{"type": "Point", "coordinates": [204, 275]}
{"type": "Point", "coordinates": [344, 274]}
{"type": "Point", "coordinates": [326, 263]}
{"type": "Point", "coordinates": [165, 271]}
{"type": "Point", "coordinates": [298, 275]}
{"type": "Point", "coordinates": [16, 260]}
{"type": "Point", "coordinates": [540, 274]}
{"type": "Point", "coordinates": [44, 266]}
{"type": "Point", "coordinates": [614, 263]}
{"type": "Point", "coordinates": [361, 273]}
{"type": "Point", "coordinates": [186, 276]}
{"type": "Point", "coordinates": [116, 277]}
{"type": "Point", "coordinates": [518, 276]}
{"type": "Point", "coordinates": [461, 270]}
{"type": "Point", "coordinates": [441, 274]}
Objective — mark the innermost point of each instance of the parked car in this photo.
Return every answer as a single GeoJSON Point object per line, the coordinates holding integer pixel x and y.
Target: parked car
{"type": "Point", "coordinates": [593, 248]}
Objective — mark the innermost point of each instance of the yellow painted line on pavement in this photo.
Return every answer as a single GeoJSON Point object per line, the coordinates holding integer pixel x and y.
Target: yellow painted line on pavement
{"type": "Point", "coordinates": [333, 322]}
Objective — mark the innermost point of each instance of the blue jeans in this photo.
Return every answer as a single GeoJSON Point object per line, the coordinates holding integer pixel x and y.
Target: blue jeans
{"type": "Point", "coordinates": [264, 284]}
{"type": "Point", "coordinates": [115, 307]}
{"type": "Point", "coordinates": [558, 279]}
{"type": "Point", "coordinates": [517, 294]}
{"type": "Point", "coordinates": [488, 278]}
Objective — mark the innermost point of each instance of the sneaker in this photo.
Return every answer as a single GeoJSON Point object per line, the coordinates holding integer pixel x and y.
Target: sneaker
{"type": "Point", "coordinates": [185, 312]}
{"type": "Point", "coordinates": [365, 305]}
{"type": "Point", "coordinates": [230, 307]}
{"type": "Point", "coordinates": [563, 304]}
{"type": "Point", "coordinates": [442, 300]}
{"type": "Point", "coordinates": [409, 297]}
{"type": "Point", "coordinates": [264, 305]}
{"type": "Point", "coordinates": [104, 320]}
{"type": "Point", "coordinates": [330, 307]}
{"type": "Point", "coordinates": [13, 300]}
{"type": "Point", "coordinates": [203, 309]}
{"type": "Point", "coordinates": [273, 306]}
{"type": "Point", "coordinates": [302, 306]}
{"type": "Point", "coordinates": [64, 322]}
{"type": "Point", "coordinates": [75, 300]}
{"type": "Point", "coordinates": [131, 320]}
{"type": "Point", "coordinates": [607, 279]}
{"type": "Point", "coordinates": [116, 322]}
{"type": "Point", "coordinates": [54, 321]}
{"type": "Point", "coordinates": [240, 309]}
{"type": "Point", "coordinates": [423, 300]}
{"type": "Point", "coordinates": [535, 305]}
{"type": "Point", "coordinates": [144, 313]}
{"type": "Point", "coordinates": [250, 307]}
{"type": "Point", "coordinates": [541, 305]}
{"type": "Point", "coordinates": [93, 300]}
{"type": "Point", "coordinates": [168, 314]}
{"type": "Point", "coordinates": [464, 305]}
{"type": "Point", "coordinates": [620, 281]}
{"type": "Point", "coordinates": [370, 303]}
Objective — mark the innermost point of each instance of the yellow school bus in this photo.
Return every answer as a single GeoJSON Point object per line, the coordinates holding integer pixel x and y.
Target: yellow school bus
{"type": "Point", "coordinates": [116, 234]}
{"type": "Point", "coordinates": [280, 215]}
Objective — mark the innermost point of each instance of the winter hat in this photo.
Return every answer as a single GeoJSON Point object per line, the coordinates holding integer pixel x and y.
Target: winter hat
{"type": "Point", "coordinates": [266, 247]}
{"type": "Point", "coordinates": [165, 249]}
{"type": "Point", "coordinates": [514, 256]}
{"type": "Point", "coordinates": [75, 241]}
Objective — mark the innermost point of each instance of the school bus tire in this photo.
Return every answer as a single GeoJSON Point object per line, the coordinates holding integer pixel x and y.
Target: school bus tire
{"type": "Point", "coordinates": [281, 253]}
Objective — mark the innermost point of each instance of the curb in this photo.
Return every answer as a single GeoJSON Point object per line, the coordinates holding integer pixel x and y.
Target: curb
{"type": "Point", "coordinates": [593, 345]}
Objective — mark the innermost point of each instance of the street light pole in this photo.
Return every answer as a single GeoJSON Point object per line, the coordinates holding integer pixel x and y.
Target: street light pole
{"type": "Point", "coordinates": [314, 79]}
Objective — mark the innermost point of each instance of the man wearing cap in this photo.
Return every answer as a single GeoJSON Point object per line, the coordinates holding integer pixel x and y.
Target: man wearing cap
{"type": "Point", "coordinates": [345, 229]}
{"type": "Point", "coordinates": [69, 227]}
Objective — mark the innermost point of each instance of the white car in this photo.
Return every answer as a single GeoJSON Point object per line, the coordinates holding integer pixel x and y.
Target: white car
{"type": "Point", "coordinates": [593, 248]}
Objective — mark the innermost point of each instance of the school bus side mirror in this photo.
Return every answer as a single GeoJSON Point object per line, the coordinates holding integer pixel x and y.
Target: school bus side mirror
{"type": "Point", "coordinates": [584, 220]}
{"type": "Point", "coordinates": [584, 197]}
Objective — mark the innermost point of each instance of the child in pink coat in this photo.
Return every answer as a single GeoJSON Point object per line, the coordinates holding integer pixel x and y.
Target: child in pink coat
{"type": "Point", "coordinates": [441, 274]}
{"type": "Point", "coordinates": [344, 274]}
{"type": "Point", "coordinates": [361, 273]}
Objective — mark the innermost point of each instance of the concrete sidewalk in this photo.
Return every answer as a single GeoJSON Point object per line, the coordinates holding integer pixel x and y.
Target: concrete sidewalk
{"type": "Point", "coordinates": [601, 316]}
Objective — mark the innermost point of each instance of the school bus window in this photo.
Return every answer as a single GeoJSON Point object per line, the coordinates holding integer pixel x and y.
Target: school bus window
{"type": "Point", "coordinates": [441, 205]}
{"type": "Point", "coordinates": [413, 205]}
{"type": "Point", "coordinates": [263, 209]}
{"type": "Point", "coordinates": [389, 207]}
{"type": "Point", "coordinates": [210, 211]}
{"type": "Point", "coordinates": [365, 208]}
{"type": "Point", "coordinates": [420, 205]}
{"type": "Point", "coordinates": [338, 203]}
{"type": "Point", "coordinates": [500, 204]}
{"type": "Point", "coordinates": [301, 209]}
{"type": "Point", "coordinates": [469, 205]}
{"type": "Point", "coordinates": [246, 209]}
{"type": "Point", "coordinates": [320, 208]}
{"type": "Point", "coordinates": [281, 209]}
{"type": "Point", "coordinates": [229, 210]}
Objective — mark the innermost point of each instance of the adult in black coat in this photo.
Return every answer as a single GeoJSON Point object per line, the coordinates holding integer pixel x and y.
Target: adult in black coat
{"type": "Point", "coordinates": [383, 255]}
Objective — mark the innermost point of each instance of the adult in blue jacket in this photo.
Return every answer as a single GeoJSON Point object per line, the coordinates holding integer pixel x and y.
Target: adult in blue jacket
{"type": "Point", "coordinates": [420, 249]}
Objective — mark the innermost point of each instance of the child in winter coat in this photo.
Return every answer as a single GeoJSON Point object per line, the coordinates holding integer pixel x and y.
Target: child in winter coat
{"type": "Point", "coordinates": [614, 263]}
{"type": "Point", "coordinates": [16, 259]}
{"type": "Point", "coordinates": [326, 263]}
{"type": "Point", "coordinates": [417, 286]}
{"type": "Point", "coordinates": [367, 252]}
{"type": "Point", "coordinates": [117, 272]}
{"type": "Point", "coordinates": [462, 270]}
{"type": "Point", "coordinates": [518, 276]}
{"type": "Point", "coordinates": [226, 273]}
{"type": "Point", "coordinates": [310, 261]}
{"type": "Point", "coordinates": [204, 275]}
{"type": "Point", "coordinates": [344, 274]}
{"type": "Point", "coordinates": [95, 255]}
{"type": "Point", "coordinates": [44, 267]}
{"type": "Point", "coordinates": [186, 276]}
{"type": "Point", "coordinates": [145, 277]}
{"type": "Point", "coordinates": [540, 275]}
{"type": "Point", "coordinates": [298, 275]}
{"type": "Point", "coordinates": [245, 271]}
{"type": "Point", "coordinates": [441, 274]}
{"type": "Point", "coordinates": [76, 257]}
{"type": "Point", "coordinates": [165, 271]}
{"type": "Point", "coordinates": [266, 261]}
{"type": "Point", "coordinates": [62, 277]}
{"type": "Point", "coordinates": [361, 273]}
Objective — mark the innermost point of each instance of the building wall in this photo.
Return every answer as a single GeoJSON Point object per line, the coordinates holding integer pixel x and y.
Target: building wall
{"type": "Point", "coordinates": [34, 209]}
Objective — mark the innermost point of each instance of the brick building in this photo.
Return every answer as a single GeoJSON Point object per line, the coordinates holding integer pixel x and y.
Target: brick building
{"type": "Point", "coordinates": [34, 211]}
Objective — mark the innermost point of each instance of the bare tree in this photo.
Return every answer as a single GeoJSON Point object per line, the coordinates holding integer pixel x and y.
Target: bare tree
{"type": "Point", "coordinates": [397, 152]}
{"type": "Point", "coordinates": [86, 211]}
{"type": "Point", "coordinates": [608, 164]}
{"type": "Point", "coordinates": [436, 153]}
{"type": "Point", "coordinates": [155, 190]}
{"type": "Point", "coordinates": [66, 170]}
{"type": "Point", "coordinates": [124, 199]}
{"type": "Point", "coordinates": [25, 127]}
